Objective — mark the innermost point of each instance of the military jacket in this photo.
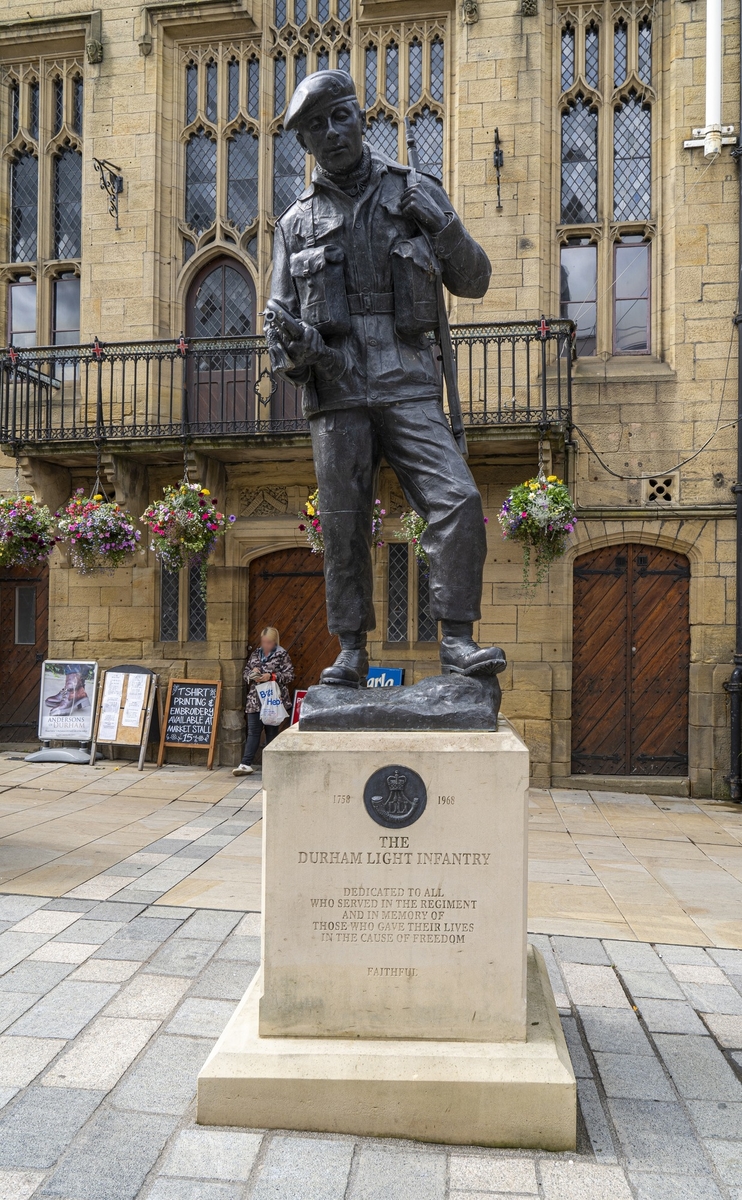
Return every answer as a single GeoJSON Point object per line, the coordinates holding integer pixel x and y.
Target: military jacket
{"type": "Point", "coordinates": [359, 271]}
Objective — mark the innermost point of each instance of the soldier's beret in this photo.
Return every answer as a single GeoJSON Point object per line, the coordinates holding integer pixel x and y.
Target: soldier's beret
{"type": "Point", "coordinates": [317, 90]}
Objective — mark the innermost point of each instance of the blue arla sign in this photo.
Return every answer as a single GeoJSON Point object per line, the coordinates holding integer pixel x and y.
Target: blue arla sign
{"type": "Point", "coordinates": [385, 677]}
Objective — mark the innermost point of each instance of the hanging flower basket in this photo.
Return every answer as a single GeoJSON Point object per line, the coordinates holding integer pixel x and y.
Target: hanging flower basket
{"type": "Point", "coordinates": [310, 523]}
{"type": "Point", "coordinates": [184, 527]}
{"type": "Point", "coordinates": [26, 532]}
{"type": "Point", "coordinates": [540, 515]}
{"type": "Point", "coordinates": [413, 528]}
{"type": "Point", "coordinates": [99, 535]}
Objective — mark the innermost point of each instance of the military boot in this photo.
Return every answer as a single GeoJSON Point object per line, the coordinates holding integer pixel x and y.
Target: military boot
{"type": "Point", "coordinates": [460, 654]}
{"type": "Point", "coordinates": [350, 668]}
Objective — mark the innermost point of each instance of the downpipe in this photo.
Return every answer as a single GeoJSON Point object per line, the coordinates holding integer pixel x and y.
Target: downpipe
{"type": "Point", "coordinates": [734, 686]}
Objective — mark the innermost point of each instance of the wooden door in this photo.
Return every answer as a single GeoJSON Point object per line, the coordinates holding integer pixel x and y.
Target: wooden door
{"type": "Point", "coordinates": [287, 589]}
{"type": "Point", "coordinates": [24, 621]}
{"type": "Point", "coordinates": [631, 656]}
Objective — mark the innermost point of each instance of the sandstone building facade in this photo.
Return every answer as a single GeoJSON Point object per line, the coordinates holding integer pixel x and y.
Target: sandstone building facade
{"type": "Point", "coordinates": [598, 215]}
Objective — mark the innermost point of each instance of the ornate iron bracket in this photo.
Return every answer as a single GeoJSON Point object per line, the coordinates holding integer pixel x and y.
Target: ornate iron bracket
{"type": "Point", "coordinates": [499, 158]}
{"type": "Point", "coordinates": [112, 183]}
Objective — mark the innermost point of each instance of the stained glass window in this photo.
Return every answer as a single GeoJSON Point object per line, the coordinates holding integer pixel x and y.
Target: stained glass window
{"type": "Point", "coordinates": [252, 247]}
{"type": "Point", "coordinates": [592, 56]}
{"type": "Point", "coordinates": [578, 291]}
{"type": "Point", "coordinates": [234, 90]}
{"type": "Point", "coordinates": [288, 170]}
{"type": "Point", "coordinates": [33, 103]}
{"type": "Point", "coordinates": [200, 198]}
{"type": "Point", "coordinates": [279, 85]}
{"type": "Point", "coordinates": [429, 137]}
{"type": "Point", "coordinates": [280, 11]}
{"type": "Point", "coordinates": [242, 173]}
{"type": "Point", "coordinates": [14, 109]}
{"type": "Point", "coordinates": [169, 605]}
{"type": "Point", "coordinates": [579, 164]}
{"type": "Point", "coordinates": [300, 68]}
{"type": "Point", "coordinates": [58, 105]}
{"type": "Point", "coordinates": [645, 52]}
{"type": "Point", "coordinates": [191, 92]}
{"type": "Point", "coordinates": [397, 606]}
{"type": "Point", "coordinates": [427, 627]}
{"type": "Point", "coordinates": [436, 69]}
{"type": "Point", "coordinates": [67, 204]}
{"type": "Point", "coordinates": [620, 53]}
{"type": "Point", "coordinates": [632, 149]}
{"type": "Point", "coordinates": [392, 73]}
{"type": "Point", "coordinates": [77, 98]}
{"type": "Point", "coordinates": [211, 91]}
{"type": "Point", "coordinates": [323, 60]}
{"type": "Point", "coordinates": [300, 11]}
{"type": "Point", "coordinates": [631, 297]}
{"type": "Point", "coordinates": [323, 11]}
{"type": "Point", "coordinates": [196, 605]}
{"type": "Point", "coordinates": [344, 59]}
{"type": "Point", "coordinates": [568, 57]}
{"type": "Point", "coordinates": [253, 87]}
{"type": "Point", "coordinates": [381, 132]}
{"type": "Point", "coordinates": [344, 10]}
{"type": "Point", "coordinates": [371, 74]}
{"type": "Point", "coordinates": [416, 70]}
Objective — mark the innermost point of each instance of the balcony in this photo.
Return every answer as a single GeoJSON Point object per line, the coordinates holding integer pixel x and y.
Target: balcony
{"type": "Point", "coordinates": [515, 375]}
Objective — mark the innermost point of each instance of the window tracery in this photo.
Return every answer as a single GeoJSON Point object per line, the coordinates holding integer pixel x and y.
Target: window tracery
{"type": "Point", "coordinates": [606, 202]}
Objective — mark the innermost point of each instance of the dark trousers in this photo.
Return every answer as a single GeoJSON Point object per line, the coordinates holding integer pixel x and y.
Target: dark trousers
{"type": "Point", "coordinates": [254, 729]}
{"type": "Point", "coordinates": [415, 439]}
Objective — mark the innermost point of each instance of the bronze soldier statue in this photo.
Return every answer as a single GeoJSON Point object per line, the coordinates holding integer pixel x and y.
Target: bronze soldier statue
{"type": "Point", "coordinates": [353, 300]}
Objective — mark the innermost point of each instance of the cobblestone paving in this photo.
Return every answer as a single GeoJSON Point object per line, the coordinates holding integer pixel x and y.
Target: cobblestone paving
{"type": "Point", "coordinates": [109, 1009]}
{"type": "Point", "coordinates": [110, 1004]}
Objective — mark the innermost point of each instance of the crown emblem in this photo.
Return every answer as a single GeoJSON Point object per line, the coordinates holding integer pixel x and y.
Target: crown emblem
{"type": "Point", "coordinates": [395, 797]}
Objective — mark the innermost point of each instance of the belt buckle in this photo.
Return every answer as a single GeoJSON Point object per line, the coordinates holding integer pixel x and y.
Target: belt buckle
{"type": "Point", "coordinates": [368, 306]}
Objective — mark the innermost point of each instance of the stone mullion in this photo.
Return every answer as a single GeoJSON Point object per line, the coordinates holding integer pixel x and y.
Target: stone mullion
{"type": "Point", "coordinates": [265, 168]}
{"type": "Point", "coordinates": [604, 344]}
{"type": "Point", "coordinates": [222, 108]}
{"type": "Point", "coordinates": [45, 248]}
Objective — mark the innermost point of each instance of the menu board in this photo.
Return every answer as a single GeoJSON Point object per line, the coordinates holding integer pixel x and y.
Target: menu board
{"type": "Point", "coordinates": [124, 711]}
{"type": "Point", "coordinates": [191, 715]}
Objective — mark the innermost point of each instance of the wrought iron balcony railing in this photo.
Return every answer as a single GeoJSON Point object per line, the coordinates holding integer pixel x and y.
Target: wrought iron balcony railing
{"type": "Point", "coordinates": [510, 374]}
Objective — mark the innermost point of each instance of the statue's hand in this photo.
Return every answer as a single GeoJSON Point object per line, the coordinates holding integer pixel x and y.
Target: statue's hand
{"type": "Point", "coordinates": [416, 202]}
{"type": "Point", "coordinates": [307, 349]}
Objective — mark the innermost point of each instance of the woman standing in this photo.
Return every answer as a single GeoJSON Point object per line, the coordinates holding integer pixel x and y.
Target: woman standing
{"type": "Point", "coordinates": [269, 661]}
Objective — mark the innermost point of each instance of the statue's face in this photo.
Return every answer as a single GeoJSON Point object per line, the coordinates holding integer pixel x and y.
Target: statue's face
{"type": "Point", "coordinates": [334, 135]}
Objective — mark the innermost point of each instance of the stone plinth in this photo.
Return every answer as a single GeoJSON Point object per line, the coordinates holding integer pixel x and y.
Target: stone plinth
{"type": "Point", "coordinates": [518, 1094]}
{"type": "Point", "coordinates": [411, 931]}
{"type": "Point", "coordinates": [392, 995]}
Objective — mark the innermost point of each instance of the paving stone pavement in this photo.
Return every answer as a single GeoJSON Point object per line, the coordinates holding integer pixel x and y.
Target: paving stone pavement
{"type": "Point", "coordinates": [110, 1002]}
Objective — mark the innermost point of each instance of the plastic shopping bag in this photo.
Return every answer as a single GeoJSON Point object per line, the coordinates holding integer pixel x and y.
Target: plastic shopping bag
{"type": "Point", "coordinates": [272, 711]}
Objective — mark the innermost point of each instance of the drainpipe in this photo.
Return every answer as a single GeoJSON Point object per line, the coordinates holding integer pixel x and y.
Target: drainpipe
{"type": "Point", "coordinates": [734, 686]}
{"type": "Point", "coordinates": [712, 132]}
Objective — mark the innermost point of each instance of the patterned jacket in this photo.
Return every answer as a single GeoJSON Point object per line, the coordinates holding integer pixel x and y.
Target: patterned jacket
{"type": "Point", "coordinates": [281, 668]}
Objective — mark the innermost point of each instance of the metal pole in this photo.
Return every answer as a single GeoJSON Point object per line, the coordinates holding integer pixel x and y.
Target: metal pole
{"type": "Point", "coordinates": [734, 686]}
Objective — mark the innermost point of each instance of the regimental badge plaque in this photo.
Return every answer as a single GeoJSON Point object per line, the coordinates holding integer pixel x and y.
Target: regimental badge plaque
{"type": "Point", "coordinates": [395, 797]}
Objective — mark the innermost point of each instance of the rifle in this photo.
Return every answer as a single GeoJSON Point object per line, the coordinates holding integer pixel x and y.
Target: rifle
{"type": "Point", "coordinates": [444, 330]}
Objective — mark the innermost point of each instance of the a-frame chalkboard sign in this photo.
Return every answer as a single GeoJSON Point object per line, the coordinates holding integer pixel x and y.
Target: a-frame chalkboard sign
{"type": "Point", "coordinates": [191, 716]}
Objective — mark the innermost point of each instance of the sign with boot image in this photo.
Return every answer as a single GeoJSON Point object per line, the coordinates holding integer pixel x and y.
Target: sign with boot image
{"type": "Point", "coordinates": [67, 700]}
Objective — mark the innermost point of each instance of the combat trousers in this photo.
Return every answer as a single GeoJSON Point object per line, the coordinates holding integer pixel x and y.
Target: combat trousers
{"type": "Point", "coordinates": [415, 439]}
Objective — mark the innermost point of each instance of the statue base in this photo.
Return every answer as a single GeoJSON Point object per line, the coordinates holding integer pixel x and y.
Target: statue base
{"type": "Point", "coordinates": [516, 1094]}
{"type": "Point", "coordinates": [446, 703]}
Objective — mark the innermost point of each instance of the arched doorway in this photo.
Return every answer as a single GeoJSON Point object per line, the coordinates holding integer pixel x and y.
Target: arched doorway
{"type": "Point", "coordinates": [221, 304]}
{"type": "Point", "coordinates": [287, 589]}
{"type": "Point", "coordinates": [221, 301]}
{"type": "Point", "coordinates": [631, 657]}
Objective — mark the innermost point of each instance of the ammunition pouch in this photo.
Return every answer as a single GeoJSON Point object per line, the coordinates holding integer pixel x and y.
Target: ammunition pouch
{"type": "Point", "coordinates": [320, 282]}
{"type": "Point", "coordinates": [414, 270]}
